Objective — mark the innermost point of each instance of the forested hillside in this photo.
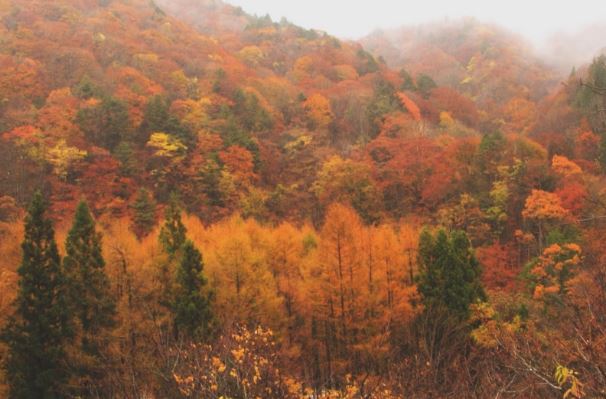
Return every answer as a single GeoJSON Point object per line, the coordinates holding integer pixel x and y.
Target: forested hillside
{"type": "Point", "coordinates": [200, 203]}
{"type": "Point", "coordinates": [496, 68]}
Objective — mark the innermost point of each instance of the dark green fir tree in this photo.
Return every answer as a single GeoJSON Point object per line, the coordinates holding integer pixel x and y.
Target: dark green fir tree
{"type": "Point", "coordinates": [37, 333]}
{"type": "Point", "coordinates": [105, 124]}
{"type": "Point", "coordinates": [191, 307]}
{"type": "Point", "coordinates": [172, 237]}
{"type": "Point", "coordinates": [144, 218]}
{"type": "Point", "coordinates": [173, 232]}
{"type": "Point", "coordinates": [449, 277]}
{"type": "Point", "coordinates": [91, 302]}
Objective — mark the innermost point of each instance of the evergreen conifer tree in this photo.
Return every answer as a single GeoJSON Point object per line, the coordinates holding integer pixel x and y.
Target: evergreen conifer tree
{"type": "Point", "coordinates": [105, 124]}
{"type": "Point", "coordinates": [449, 276]}
{"type": "Point", "coordinates": [192, 313]}
{"type": "Point", "coordinates": [157, 118]}
{"type": "Point", "coordinates": [91, 302]}
{"type": "Point", "coordinates": [172, 234]}
{"type": "Point", "coordinates": [145, 213]}
{"type": "Point", "coordinates": [36, 334]}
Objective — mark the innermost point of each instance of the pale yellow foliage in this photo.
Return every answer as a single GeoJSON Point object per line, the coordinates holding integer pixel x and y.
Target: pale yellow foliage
{"type": "Point", "coordinates": [251, 55]}
{"type": "Point", "coordinates": [166, 145]}
{"type": "Point", "coordinates": [62, 157]}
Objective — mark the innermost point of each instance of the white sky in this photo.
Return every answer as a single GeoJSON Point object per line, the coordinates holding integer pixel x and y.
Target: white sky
{"type": "Point", "coordinates": [535, 19]}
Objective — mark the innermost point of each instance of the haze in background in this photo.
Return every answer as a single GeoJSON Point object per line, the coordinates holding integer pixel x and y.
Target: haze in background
{"type": "Point", "coordinates": [554, 27]}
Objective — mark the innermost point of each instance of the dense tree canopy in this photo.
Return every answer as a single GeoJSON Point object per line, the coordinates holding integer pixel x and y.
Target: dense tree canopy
{"type": "Point", "coordinates": [260, 189]}
{"type": "Point", "coordinates": [39, 330]}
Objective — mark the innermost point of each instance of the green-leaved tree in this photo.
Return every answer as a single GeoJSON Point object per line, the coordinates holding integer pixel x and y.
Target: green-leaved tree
{"type": "Point", "coordinates": [449, 277]}
{"type": "Point", "coordinates": [144, 218]}
{"type": "Point", "coordinates": [36, 335]}
{"type": "Point", "coordinates": [91, 302]}
{"type": "Point", "coordinates": [191, 306]}
{"type": "Point", "coordinates": [173, 232]}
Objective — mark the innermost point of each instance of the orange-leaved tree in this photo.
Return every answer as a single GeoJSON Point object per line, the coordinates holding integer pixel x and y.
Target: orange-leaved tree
{"type": "Point", "coordinates": [544, 208]}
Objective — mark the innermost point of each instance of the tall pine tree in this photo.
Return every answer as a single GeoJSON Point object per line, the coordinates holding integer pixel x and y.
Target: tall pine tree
{"type": "Point", "coordinates": [191, 307]}
{"type": "Point", "coordinates": [449, 277]}
{"type": "Point", "coordinates": [145, 213]}
{"type": "Point", "coordinates": [89, 290]}
{"type": "Point", "coordinates": [172, 234]}
{"type": "Point", "coordinates": [172, 237]}
{"type": "Point", "coordinates": [36, 335]}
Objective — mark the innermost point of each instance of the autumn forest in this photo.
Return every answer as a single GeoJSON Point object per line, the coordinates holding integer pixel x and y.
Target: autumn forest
{"type": "Point", "coordinates": [196, 202]}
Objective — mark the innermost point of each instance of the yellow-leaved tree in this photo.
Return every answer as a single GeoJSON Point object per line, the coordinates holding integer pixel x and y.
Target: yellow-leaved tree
{"type": "Point", "coordinates": [318, 111]}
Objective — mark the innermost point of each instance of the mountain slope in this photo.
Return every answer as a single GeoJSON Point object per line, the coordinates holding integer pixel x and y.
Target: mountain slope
{"type": "Point", "coordinates": [487, 63]}
{"type": "Point", "coordinates": [116, 70]}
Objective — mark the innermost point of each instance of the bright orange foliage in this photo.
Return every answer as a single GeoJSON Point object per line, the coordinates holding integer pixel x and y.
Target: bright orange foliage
{"type": "Point", "coordinates": [554, 268]}
{"type": "Point", "coordinates": [564, 167]}
{"type": "Point", "coordinates": [264, 129]}
{"type": "Point", "coordinates": [410, 106]}
{"type": "Point", "coordinates": [318, 111]}
{"type": "Point", "coordinates": [543, 205]}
